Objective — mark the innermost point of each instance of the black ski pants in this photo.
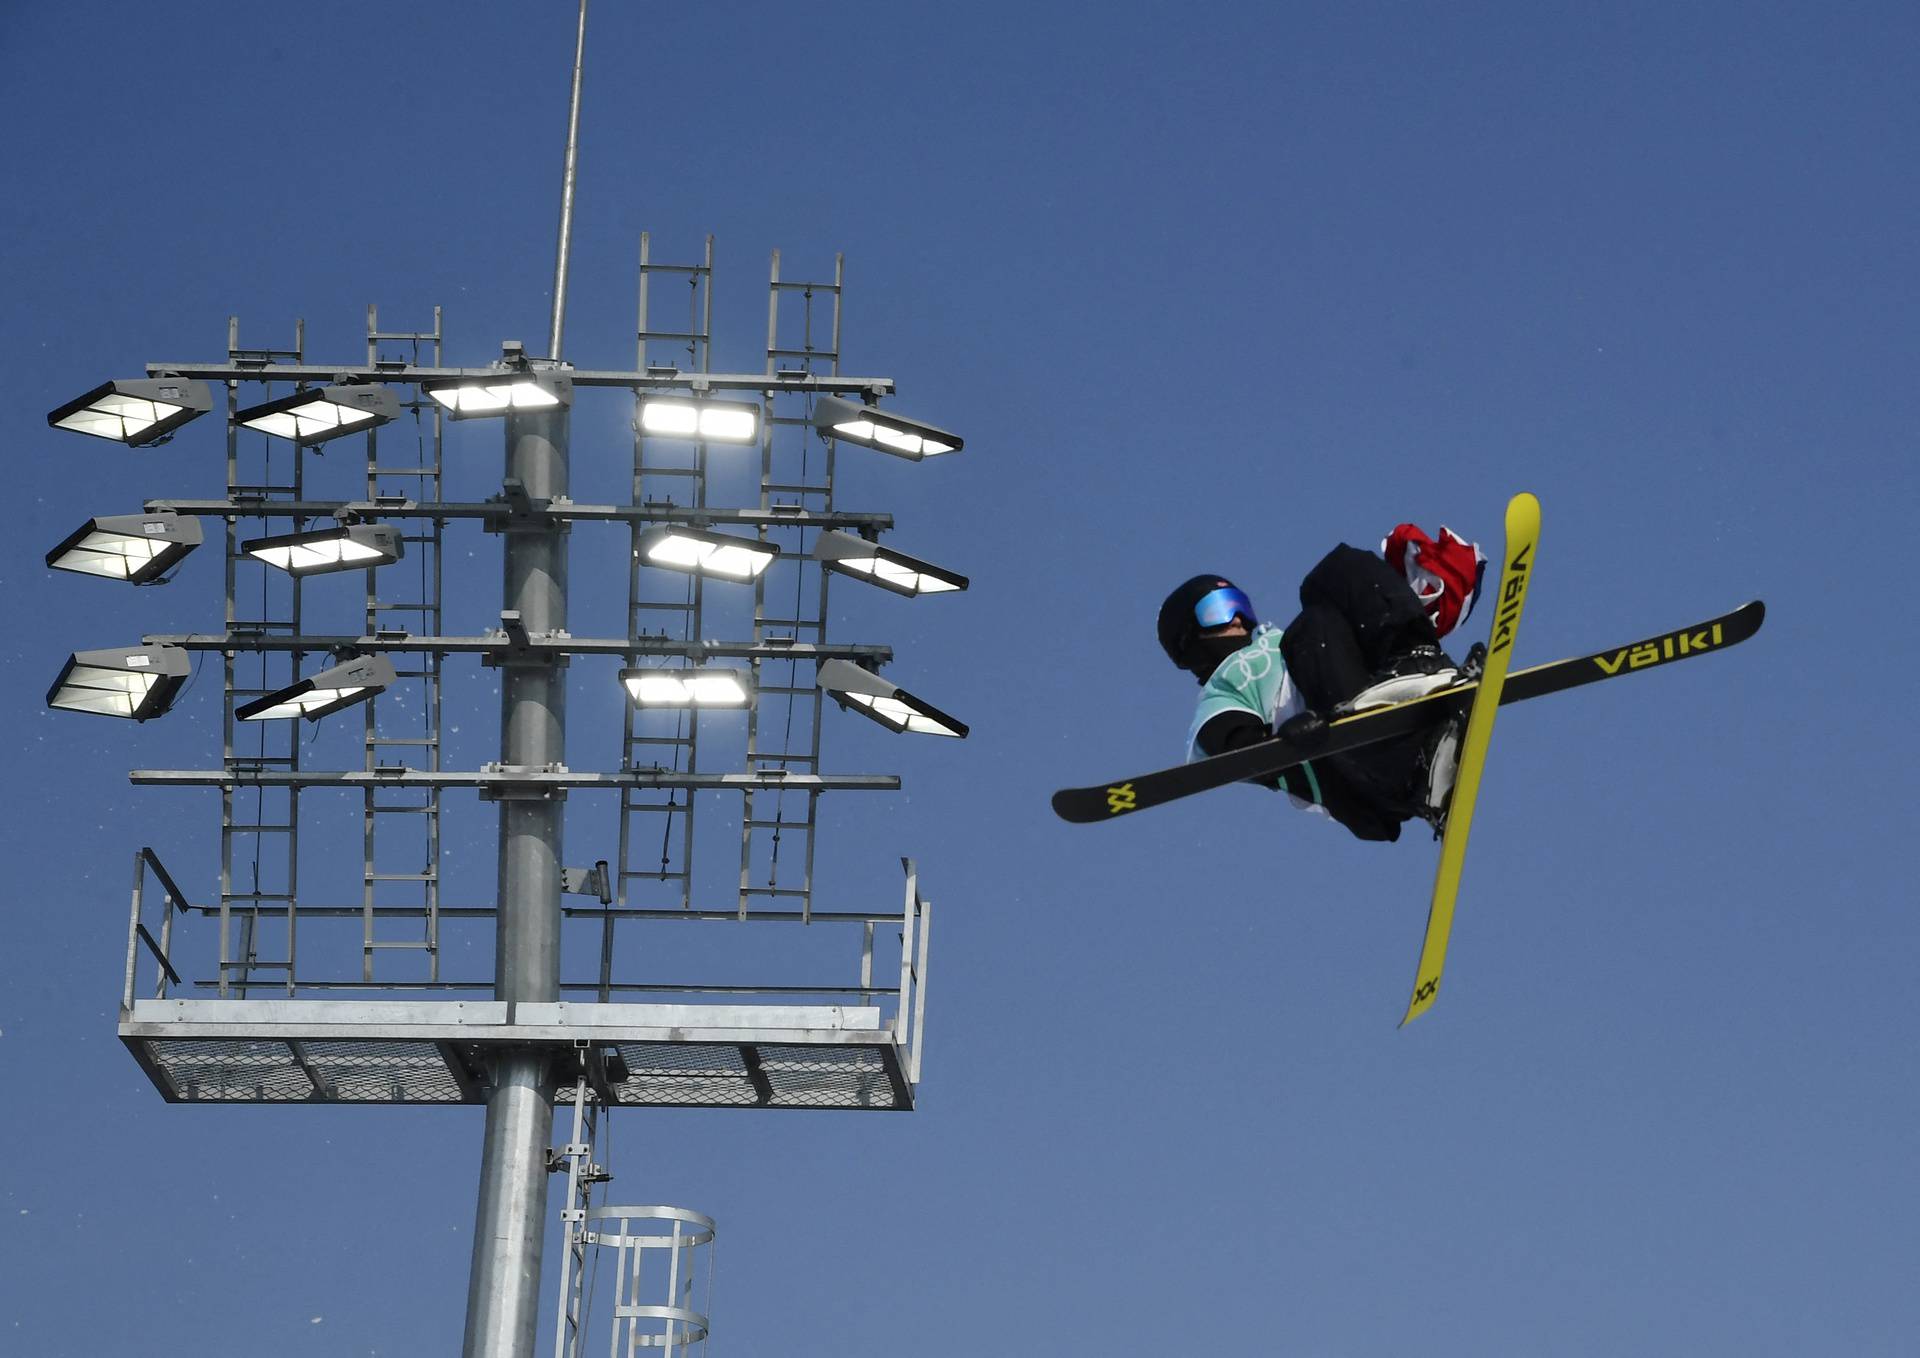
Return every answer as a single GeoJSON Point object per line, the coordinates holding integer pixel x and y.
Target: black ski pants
{"type": "Point", "coordinates": [1356, 614]}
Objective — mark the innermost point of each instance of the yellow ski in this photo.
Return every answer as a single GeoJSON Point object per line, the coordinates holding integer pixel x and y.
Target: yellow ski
{"type": "Point", "coordinates": [1523, 533]}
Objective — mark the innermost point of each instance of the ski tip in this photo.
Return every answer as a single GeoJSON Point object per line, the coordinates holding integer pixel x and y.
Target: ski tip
{"type": "Point", "coordinates": [1523, 516]}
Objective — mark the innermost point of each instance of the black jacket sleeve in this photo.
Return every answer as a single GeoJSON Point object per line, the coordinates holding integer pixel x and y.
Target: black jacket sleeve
{"type": "Point", "coordinates": [1234, 731]}
{"type": "Point", "coordinates": [1231, 731]}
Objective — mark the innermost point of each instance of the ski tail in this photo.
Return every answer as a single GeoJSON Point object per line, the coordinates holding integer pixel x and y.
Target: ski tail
{"type": "Point", "coordinates": [1523, 536]}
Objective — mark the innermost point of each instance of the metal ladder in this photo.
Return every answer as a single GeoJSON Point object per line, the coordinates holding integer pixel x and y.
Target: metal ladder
{"type": "Point", "coordinates": [582, 1176]}
{"type": "Point", "coordinates": [403, 728]}
{"type": "Point", "coordinates": [664, 472]}
{"type": "Point", "coordinates": [266, 889]}
{"type": "Point", "coordinates": [796, 473]}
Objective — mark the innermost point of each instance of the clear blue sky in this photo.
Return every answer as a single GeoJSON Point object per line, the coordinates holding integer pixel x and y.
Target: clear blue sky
{"type": "Point", "coordinates": [1206, 288]}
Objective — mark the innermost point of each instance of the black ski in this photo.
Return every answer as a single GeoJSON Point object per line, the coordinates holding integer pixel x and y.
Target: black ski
{"type": "Point", "coordinates": [1108, 801]}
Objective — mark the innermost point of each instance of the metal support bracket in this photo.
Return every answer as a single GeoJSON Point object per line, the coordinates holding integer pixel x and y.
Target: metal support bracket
{"type": "Point", "coordinates": [503, 784]}
{"type": "Point", "coordinates": [518, 648]}
{"type": "Point", "coordinates": [594, 881]}
{"type": "Point", "coordinates": [515, 511]}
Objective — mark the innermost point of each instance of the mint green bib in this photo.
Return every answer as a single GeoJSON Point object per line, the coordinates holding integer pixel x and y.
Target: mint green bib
{"type": "Point", "coordinates": [1253, 679]}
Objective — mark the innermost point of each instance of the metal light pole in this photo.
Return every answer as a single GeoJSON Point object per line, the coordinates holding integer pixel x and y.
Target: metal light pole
{"type": "Point", "coordinates": [510, 1221]}
{"type": "Point", "coordinates": [509, 1225]}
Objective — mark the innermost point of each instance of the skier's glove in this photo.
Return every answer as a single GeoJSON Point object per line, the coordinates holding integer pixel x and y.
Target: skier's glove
{"type": "Point", "coordinates": [1303, 730]}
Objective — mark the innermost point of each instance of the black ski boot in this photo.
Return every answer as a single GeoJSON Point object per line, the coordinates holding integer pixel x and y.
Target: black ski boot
{"type": "Point", "coordinates": [1411, 674]}
{"type": "Point", "coordinates": [1439, 764]}
{"type": "Point", "coordinates": [1434, 775]}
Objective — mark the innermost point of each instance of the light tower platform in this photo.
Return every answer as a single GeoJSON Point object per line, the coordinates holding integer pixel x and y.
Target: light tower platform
{"type": "Point", "coordinates": [759, 1052]}
{"type": "Point", "coordinates": [673, 1055]}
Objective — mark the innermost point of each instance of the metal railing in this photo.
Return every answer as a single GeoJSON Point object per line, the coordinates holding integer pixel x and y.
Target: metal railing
{"type": "Point", "coordinates": [173, 902]}
{"type": "Point", "coordinates": [163, 961]}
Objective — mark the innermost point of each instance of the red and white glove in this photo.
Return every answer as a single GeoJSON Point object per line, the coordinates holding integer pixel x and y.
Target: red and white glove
{"type": "Point", "coordinates": [1446, 573]}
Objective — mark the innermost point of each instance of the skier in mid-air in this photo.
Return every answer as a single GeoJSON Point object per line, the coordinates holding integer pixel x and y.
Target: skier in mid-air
{"type": "Point", "coordinates": [1355, 711]}
{"type": "Point", "coordinates": [1368, 634]}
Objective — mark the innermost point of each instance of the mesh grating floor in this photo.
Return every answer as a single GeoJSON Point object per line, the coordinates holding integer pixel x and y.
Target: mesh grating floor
{"type": "Point", "coordinates": [748, 1077]}
{"type": "Point", "coordinates": [228, 1071]}
{"type": "Point", "coordinates": [231, 1071]}
{"type": "Point", "coordinates": [382, 1072]}
{"type": "Point", "coordinates": [398, 1070]}
{"type": "Point", "coordinates": [822, 1077]}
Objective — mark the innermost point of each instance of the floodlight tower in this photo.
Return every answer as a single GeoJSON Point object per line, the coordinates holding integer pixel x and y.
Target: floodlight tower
{"type": "Point", "coordinates": [427, 1038]}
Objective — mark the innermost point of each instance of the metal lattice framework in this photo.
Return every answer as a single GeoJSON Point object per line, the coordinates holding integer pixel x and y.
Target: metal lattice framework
{"type": "Point", "coordinates": [250, 996]}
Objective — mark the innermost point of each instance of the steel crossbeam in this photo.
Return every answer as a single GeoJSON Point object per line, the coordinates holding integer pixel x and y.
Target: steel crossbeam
{"type": "Point", "coordinates": [652, 379]}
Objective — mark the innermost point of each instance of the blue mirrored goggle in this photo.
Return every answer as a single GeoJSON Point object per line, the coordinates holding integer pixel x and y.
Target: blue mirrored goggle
{"type": "Point", "coordinates": [1218, 608]}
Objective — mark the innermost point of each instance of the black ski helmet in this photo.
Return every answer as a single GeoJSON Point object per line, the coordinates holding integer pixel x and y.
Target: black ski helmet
{"type": "Point", "coordinates": [1179, 627]}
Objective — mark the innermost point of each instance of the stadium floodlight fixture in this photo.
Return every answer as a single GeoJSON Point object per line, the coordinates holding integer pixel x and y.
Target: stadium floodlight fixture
{"type": "Point", "coordinates": [704, 686]}
{"type": "Point", "coordinates": [343, 547]}
{"type": "Point", "coordinates": [700, 552]}
{"type": "Point", "coordinates": [678, 417]}
{"type": "Point", "coordinates": [134, 412]}
{"type": "Point", "coordinates": [137, 548]}
{"type": "Point", "coordinates": [873, 427]}
{"type": "Point", "coordinates": [507, 392]}
{"type": "Point", "coordinates": [853, 555]}
{"type": "Point", "coordinates": [887, 703]}
{"type": "Point", "coordinates": [321, 413]}
{"type": "Point", "coordinates": [127, 681]}
{"type": "Point", "coordinates": [352, 681]}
